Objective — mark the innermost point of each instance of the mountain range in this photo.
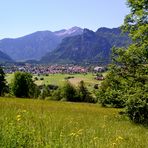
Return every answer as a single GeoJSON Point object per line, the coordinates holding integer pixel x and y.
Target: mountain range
{"type": "Point", "coordinates": [35, 45]}
{"type": "Point", "coordinates": [74, 45]}
{"type": "Point", "coordinates": [88, 47]}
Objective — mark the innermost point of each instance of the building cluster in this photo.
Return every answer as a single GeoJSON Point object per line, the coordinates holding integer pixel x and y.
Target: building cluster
{"type": "Point", "coordinates": [44, 69]}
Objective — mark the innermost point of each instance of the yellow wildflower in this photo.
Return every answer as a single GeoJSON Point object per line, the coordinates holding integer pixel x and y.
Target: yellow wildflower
{"type": "Point", "coordinates": [18, 117]}
{"type": "Point", "coordinates": [120, 138]}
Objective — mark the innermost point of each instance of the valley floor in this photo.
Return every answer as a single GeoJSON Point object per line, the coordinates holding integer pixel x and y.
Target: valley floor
{"type": "Point", "coordinates": [40, 124]}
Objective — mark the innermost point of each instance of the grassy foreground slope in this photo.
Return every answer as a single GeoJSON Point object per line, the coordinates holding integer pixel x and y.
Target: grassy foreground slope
{"type": "Point", "coordinates": [40, 124]}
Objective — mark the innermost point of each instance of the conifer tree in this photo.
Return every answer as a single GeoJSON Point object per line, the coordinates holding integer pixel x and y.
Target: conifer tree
{"type": "Point", "coordinates": [2, 81]}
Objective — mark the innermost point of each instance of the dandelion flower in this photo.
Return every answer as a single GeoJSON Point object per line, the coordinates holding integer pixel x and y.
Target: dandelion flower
{"type": "Point", "coordinates": [120, 138]}
{"type": "Point", "coordinates": [18, 116]}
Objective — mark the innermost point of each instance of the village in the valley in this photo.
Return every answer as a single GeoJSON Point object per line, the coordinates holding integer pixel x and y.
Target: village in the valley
{"type": "Point", "coordinates": [52, 69]}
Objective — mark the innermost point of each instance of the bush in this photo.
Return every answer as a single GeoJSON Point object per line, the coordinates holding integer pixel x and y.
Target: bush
{"type": "Point", "coordinates": [96, 86]}
{"type": "Point", "coordinates": [111, 92]}
{"type": "Point", "coordinates": [52, 87]}
{"type": "Point", "coordinates": [69, 77]}
{"type": "Point", "coordinates": [41, 78]}
{"type": "Point", "coordinates": [57, 95]}
{"type": "Point", "coordinates": [70, 92]}
{"type": "Point", "coordinates": [137, 107]}
{"type": "Point", "coordinates": [84, 94]}
{"type": "Point", "coordinates": [36, 78]}
{"type": "Point", "coordinates": [111, 98]}
{"type": "Point", "coordinates": [45, 92]}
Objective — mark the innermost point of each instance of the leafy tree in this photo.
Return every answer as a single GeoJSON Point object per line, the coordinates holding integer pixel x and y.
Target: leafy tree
{"type": "Point", "coordinates": [129, 72]}
{"type": "Point", "coordinates": [23, 85]}
{"type": "Point", "coordinates": [137, 105]}
{"type": "Point", "coordinates": [2, 81]}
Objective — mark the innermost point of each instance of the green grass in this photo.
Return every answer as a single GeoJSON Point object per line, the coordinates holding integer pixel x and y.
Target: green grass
{"type": "Point", "coordinates": [9, 77]}
{"type": "Point", "coordinates": [45, 124]}
{"type": "Point", "coordinates": [59, 79]}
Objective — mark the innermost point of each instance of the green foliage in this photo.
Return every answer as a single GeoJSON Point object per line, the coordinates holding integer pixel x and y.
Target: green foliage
{"type": "Point", "coordinates": [52, 87]}
{"type": "Point", "coordinates": [137, 106]}
{"type": "Point", "coordinates": [2, 82]}
{"type": "Point", "coordinates": [128, 78]}
{"type": "Point", "coordinates": [57, 95]}
{"type": "Point", "coordinates": [23, 85]}
{"type": "Point", "coordinates": [84, 94]}
{"type": "Point", "coordinates": [70, 92]}
{"type": "Point", "coordinates": [111, 90]}
{"type": "Point", "coordinates": [136, 23]}
{"type": "Point", "coordinates": [45, 92]}
{"type": "Point", "coordinates": [111, 98]}
{"type": "Point", "coordinates": [73, 94]}
{"type": "Point", "coordinates": [36, 78]}
{"type": "Point", "coordinates": [96, 86]}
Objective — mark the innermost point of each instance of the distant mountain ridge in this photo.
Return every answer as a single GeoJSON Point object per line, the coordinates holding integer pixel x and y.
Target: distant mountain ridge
{"type": "Point", "coordinates": [70, 32]}
{"type": "Point", "coordinates": [35, 45]}
{"type": "Point", "coordinates": [88, 47]}
{"type": "Point", "coordinates": [74, 45]}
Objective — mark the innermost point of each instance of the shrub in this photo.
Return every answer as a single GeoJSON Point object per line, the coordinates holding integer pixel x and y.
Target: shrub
{"type": "Point", "coordinates": [52, 87]}
{"type": "Point", "coordinates": [84, 94]}
{"type": "Point", "coordinates": [111, 92]}
{"type": "Point", "coordinates": [70, 92]}
{"type": "Point", "coordinates": [137, 107]}
{"type": "Point", "coordinates": [69, 77]}
{"type": "Point", "coordinates": [45, 92]}
{"type": "Point", "coordinates": [57, 95]}
{"type": "Point", "coordinates": [41, 78]}
{"type": "Point", "coordinates": [111, 98]}
{"type": "Point", "coordinates": [36, 78]}
{"type": "Point", "coordinates": [96, 86]}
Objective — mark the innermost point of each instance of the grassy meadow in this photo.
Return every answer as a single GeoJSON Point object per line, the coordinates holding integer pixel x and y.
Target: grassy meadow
{"type": "Point", "coordinates": [59, 79]}
{"type": "Point", "coordinates": [47, 124]}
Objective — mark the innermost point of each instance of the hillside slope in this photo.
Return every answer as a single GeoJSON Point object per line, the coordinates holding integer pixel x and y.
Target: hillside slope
{"type": "Point", "coordinates": [4, 57]}
{"type": "Point", "coordinates": [91, 47]}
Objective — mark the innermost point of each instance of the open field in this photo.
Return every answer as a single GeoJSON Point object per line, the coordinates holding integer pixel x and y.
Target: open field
{"type": "Point", "coordinates": [59, 79]}
{"type": "Point", "coordinates": [45, 124]}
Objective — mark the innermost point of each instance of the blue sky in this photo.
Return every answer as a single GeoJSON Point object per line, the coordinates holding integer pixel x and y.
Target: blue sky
{"type": "Point", "coordinates": [21, 17]}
